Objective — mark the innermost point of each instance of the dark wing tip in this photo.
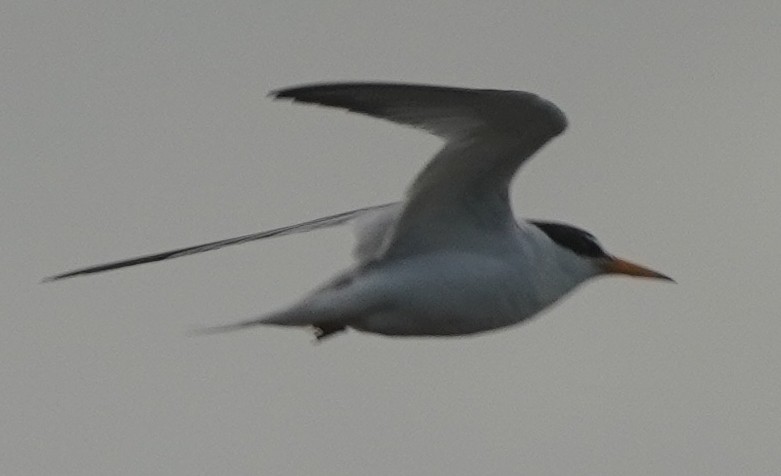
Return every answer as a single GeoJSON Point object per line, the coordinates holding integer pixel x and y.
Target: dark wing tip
{"type": "Point", "coordinates": [361, 97]}
{"type": "Point", "coordinates": [78, 272]}
{"type": "Point", "coordinates": [359, 91]}
{"type": "Point", "coordinates": [292, 92]}
{"type": "Point", "coordinates": [116, 265]}
{"type": "Point", "coordinates": [307, 92]}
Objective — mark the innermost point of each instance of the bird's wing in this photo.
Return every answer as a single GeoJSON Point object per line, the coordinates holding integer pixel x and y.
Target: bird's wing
{"type": "Point", "coordinates": [372, 231]}
{"type": "Point", "coordinates": [462, 193]}
{"type": "Point", "coordinates": [323, 222]}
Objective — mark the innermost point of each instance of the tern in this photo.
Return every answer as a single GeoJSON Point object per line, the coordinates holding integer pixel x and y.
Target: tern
{"type": "Point", "coordinates": [450, 258]}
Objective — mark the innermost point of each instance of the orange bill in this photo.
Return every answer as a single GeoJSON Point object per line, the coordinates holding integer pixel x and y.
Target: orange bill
{"type": "Point", "coordinates": [620, 266]}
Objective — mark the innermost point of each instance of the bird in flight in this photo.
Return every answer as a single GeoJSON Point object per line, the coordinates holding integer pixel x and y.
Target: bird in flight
{"type": "Point", "coordinates": [450, 258]}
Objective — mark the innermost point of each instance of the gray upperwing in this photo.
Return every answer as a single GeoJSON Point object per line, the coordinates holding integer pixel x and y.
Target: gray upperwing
{"type": "Point", "coordinates": [323, 222]}
{"type": "Point", "coordinates": [462, 192]}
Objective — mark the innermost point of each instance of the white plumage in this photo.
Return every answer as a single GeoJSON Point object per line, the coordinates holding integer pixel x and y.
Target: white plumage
{"type": "Point", "coordinates": [450, 259]}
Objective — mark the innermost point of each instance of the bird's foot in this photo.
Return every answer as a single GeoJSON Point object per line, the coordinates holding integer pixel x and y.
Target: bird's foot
{"type": "Point", "coordinates": [325, 329]}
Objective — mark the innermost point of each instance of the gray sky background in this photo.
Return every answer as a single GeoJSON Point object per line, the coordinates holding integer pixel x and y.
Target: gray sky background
{"type": "Point", "coordinates": [134, 127]}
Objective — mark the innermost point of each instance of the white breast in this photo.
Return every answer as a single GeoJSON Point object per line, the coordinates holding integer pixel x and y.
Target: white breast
{"type": "Point", "coordinates": [452, 293]}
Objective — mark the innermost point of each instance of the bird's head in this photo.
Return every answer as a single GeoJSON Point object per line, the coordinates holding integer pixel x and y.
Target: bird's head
{"type": "Point", "coordinates": [585, 245]}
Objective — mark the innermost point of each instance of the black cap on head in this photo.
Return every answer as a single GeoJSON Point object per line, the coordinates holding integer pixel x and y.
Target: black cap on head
{"type": "Point", "coordinates": [574, 239]}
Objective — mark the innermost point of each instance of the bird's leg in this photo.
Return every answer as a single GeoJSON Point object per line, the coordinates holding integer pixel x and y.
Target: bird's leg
{"type": "Point", "coordinates": [325, 329]}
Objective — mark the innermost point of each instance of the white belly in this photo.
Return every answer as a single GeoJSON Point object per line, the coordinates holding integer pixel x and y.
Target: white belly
{"type": "Point", "coordinates": [453, 294]}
